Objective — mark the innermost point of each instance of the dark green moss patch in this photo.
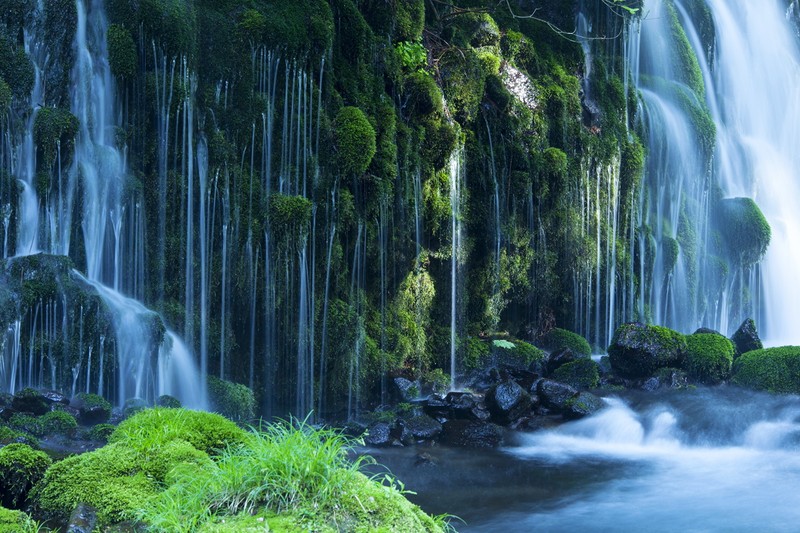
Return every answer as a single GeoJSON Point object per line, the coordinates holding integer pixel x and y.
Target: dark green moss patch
{"type": "Point", "coordinates": [770, 369]}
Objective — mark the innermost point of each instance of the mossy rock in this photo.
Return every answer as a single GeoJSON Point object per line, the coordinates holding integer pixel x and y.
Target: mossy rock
{"type": "Point", "coordinates": [92, 408]}
{"type": "Point", "coordinates": [9, 436]}
{"type": "Point", "coordinates": [30, 401]}
{"type": "Point", "coordinates": [745, 338]}
{"type": "Point", "coordinates": [58, 423]}
{"type": "Point", "coordinates": [116, 479]}
{"type": "Point", "coordinates": [16, 68]}
{"type": "Point", "coordinates": [5, 96]}
{"type": "Point", "coordinates": [151, 428]}
{"type": "Point", "coordinates": [355, 140]}
{"type": "Point", "coordinates": [744, 229]}
{"type": "Point", "coordinates": [423, 95]}
{"type": "Point", "coordinates": [475, 352]}
{"type": "Point", "coordinates": [409, 20]}
{"type": "Point", "coordinates": [289, 215]}
{"type": "Point", "coordinates": [101, 432]}
{"type": "Point", "coordinates": [27, 423]}
{"type": "Point", "coordinates": [583, 373]}
{"type": "Point", "coordinates": [638, 350]}
{"type": "Point", "coordinates": [21, 467]}
{"type": "Point", "coordinates": [51, 127]}
{"type": "Point", "coordinates": [517, 353]}
{"type": "Point", "coordinates": [121, 51]}
{"type": "Point", "coordinates": [557, 339]}
{"type": "Point", "coordinates": [299, 28]}
{"type": "Point", "coordinates": [708, 357]}
{"type": "Point", "coordinates": [16, 522]}
{"type": "Point", "coordinates": [770, 369]}
{"type": "Point", "coordinates": [232, 400]}
{"type": "Point", "coordinates": [165, 400]}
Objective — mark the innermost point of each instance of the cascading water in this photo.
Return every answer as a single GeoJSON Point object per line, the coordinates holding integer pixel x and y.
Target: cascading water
{"type": "Point", "coordinates": [456, 243]}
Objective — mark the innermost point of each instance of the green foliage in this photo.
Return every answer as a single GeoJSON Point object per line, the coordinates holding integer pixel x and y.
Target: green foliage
{"type": "Point", "coordinates": [101, 432]}
{"type": "Point", "coordinates": [583, 373]}
{"type": "Point", "coordinates": [771, 369]}
{"type": "Point", "coordinates": [355, 140]}
{"type": "Point", "coordinates": [16, 522]}
{"type": "Point", "coordinates": [708, 357]}
{"type": "Point", "coordinates": [121, 51]}
{"type": "Point", "coordinates": [27, 423]}
{"type": "Point", "coordinates": [9, 435]}
{"type": "Point", "coordinates": [744, 229]}
{"type": "Point", "coordinates": [409, 20]}
{"type": "Point", "coordinates": [232, 400]}
{"type": "Point", "coordinates": [289, 215]}
{"type": "Point", "coordinates": [58, 422]}
{"type": "Point", "coordinates": [557, 339]}
{"type": "Point", "coordinates": [303, 27]}
{"type": "Point", "coordinates": [54, 126]}
{"type": "Point", "coordinates": [409, 318]}
{"type": "Point", "coordinates": [154, 428]}
{"type": "Point", "coordinates": [289, 468]}
{"type": "Point", "coordinates": [16, 68]}
{"type": "Point", "coordinates": [501, 343]}
{"type": "Point", "coordinates": [5, 96]}
{"type": "Point", "coordinates": [21, 467]}
{"type": "Point", "coordinates": [474, 353]}
{"type": "Point", "coordinates": [93, 401]}
{"type": "Point", "coordinates": [422, 93]}
{"type": "Point", "coordinates": [412, 55]}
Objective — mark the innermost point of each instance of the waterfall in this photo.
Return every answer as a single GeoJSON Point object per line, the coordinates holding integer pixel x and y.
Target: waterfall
{"type": "Point", "coordinates": [456, 182]}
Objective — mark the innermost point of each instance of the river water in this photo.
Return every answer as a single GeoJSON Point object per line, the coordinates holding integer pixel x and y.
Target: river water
{"type": "Point", "coordinates": [702, 460]}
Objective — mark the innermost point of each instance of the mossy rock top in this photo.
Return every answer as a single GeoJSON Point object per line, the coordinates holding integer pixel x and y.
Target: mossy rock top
{"type": "Point", "coordinates": [558, 338]}
{"type": "Point", "coordinates": [638, 350]}
{"type": "Point", "coordinates": [708, 357]}
{"type": "Point", "coordinates": [770, 369]}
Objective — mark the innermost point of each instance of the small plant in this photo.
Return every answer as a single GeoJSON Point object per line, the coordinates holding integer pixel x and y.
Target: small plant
{"type": "Point", "coordinates": [413, 55]}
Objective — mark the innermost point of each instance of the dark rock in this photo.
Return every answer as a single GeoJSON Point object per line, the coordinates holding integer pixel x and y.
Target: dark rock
{"type": "Point", "coordinates": [638, 350]}
{"type": "Point", "coordinates": [165, 400]}
{"type": "Point", "coordinates": [6, 413]}
{"type": "Point", "coordinates": [472, 434]}
{"type": "Point", "coordinates": [30, 401]}
{"type": "Point", "coordinates": [584, 404]}
{"type": "Point", "coordinates": [380, 434]}
{"type": "Point", "coordinates": [93, 409]}
{"type": "Point", "coordinates": [651, 384]}
{"type": "Point", "coordinates": [604, 365]}
{"type": "Point", "coordinates": [421, 427]}
{"type": "Point", "coordinates": [555, 395]}
{"type": "Point", "coordinates": [708, 330]}
{"type": "Point", "coordinates": [354, 429]}
{"type": "Point", "coordinates": [436, 407]}
{"type": "Point", "coordinates": [405, 390]}
{"type": "Point", "coordinates": [559, 358]}
{"type": "Point", "coordinates": [507, 402]}
{"type": "Point", "coordinates": [485, 379]}
{"type": "Point", "coordinates": [425, 459]}
{"type": "Point", "coordinates": [6, 399]}
{"type": "Point", "coordinates": [746, 339]}
{"type": "Point", "coordinates": [524, 378]}
{"type": "Point", "coordinates": [66, 408]}
{"type": "Point", "coordinates": [133, 406]}
{"type": "Point", "coordinates": [462, 404]}
{"type": "Point", "coordinates": [55, 397]}
{"type": "Point", "coordinates": [83, 519]}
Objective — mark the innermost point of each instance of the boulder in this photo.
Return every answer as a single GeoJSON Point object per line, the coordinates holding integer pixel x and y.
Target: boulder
{"type": "Point", "coordinates": [165, 400]}
{"type": "Point", "coordinates": [667, 378]}
{"type": "Point", "coordinates": [92, 409]}
{"type": "Point", "coordinates": [420, 428]}
{"type": "Point", "coordinates": [559, 358]}
{"type": "Point", "coordinates": [582, 373]}
{"type": "Point", "coordinates": [507, 402]}
{"type": "Point", "coordinates": [745, 339]}
{"type": "Point", "coordinates": [133, 406]}
{"type": "Point", "coordinates": [83, 519]}
{"type": "Point", "coordinates": [771, 369]}
{"type": "Point", "coordinates": [456, 405]}
{"type": "Point", "coordinates": [30, 401]}
{"type": "Point", "coordinates": [584, 404]}
{"type": "Point", "coordinates": [472, 434]}
{"type": "Point", "coordinates": [555, 395]}
{"type": "Point", "coordinates": [405, 390]}
{"type": "Point", "coordinates": [638, 350]}
{"type": "Point", "coordinates": [55, 397]}
{"type": "Point", "coordinates": [380, 434]}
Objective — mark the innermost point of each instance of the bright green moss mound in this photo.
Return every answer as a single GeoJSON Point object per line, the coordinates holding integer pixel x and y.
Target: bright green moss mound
{"type": "Point", "coordinates": [58, 422]}
{"type": "Point", "coordinates": [708, 357]}
{"type": "Point", "coordinates": [16, 522]}
{"type": "Point", "coordinates": [582, 373]}
{"type": "Point", "coordinates": [770, 369]}
{"type": "Point", "coordinates": [355, 140]}
{"type": "Point", "coordinates": [231, 400]}
{"type": "Point", "coordinates": [151, 428]}
{"type": "Point", "coordinates": [744, 229]}
{"type": "Point", "coordinates": [557, 339]}
{"type": "Point", "coordinates": [300, 27]}
{"type": "Point", "coordinates": [21, 467]}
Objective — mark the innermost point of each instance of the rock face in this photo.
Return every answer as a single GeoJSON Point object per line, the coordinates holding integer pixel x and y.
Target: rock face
{"type": "Point", "coordinates": [746, 338]}
{"type": "Point", "coordinates": [379, 434]}
{"type": "Point", "coordinates": [404, 390]}
{"type": "Point", "coordinates": [507, 402]}
{"type": "Point", "coordinates": [555, 395]}
{"type": "Point", "coordinates": [559, 358]}
{"type": "Point", "coordinates": [472, 434]}
{"type": "Point", "coordinates": [638, 350]}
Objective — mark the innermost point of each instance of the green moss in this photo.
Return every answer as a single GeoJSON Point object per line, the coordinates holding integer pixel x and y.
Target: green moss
{"type": "Point", "coordinates": [289, 215]}
{"type": "Point", "coordinates": [27, 423]}
{"type": "Point", "coordinates": [58, 422]}
{"type": "Point", "coordinates": [16, 522]}
{"type": "Point", "coordinates": [355, 140]}
{"type": "Point", "coordinates": [771, 369]}
{"type": "Point", "coordinates": [16, 68]}
{"type": "Point", "coordinates": [422, 94]}
{"type": "Point", "coordinates": [54, 126]}
{"type": "Point", "coordinates": [409, 20]}
{"type": "Point", "coordinates": [557, 339]}
{"type": "Point", "coordinates": [93, 401]}
{"type": "Point", "coordinates": [744, 229]}
{"type": "Point", "coordinates": [121, 51]}
{"type": "Point", "coordinates": [5, 96]}
{"type": "Point", "coordinates": [232, 400]}
{"type": "Point", "coordinates": [165, 400]}
{"type": "Point", "coordinates": [475, 352]}
{"type": "Point", "coordinates": [582, 373]}
{"type": "Point", "coordinates": [9, 435]}
{"type": "Point", "coordinates": [638, 350]}
{"type": "Point", "coordinates": [708, 357]}
{"type": "Point", "coordinates": [21, 467]}
{"type": "Point", "coordinates": [686, 64]}
{"type": "Point", "coordinates": [300, 28]}
{"type": "Point", "coordinates": [101, 432]}
{"type": "Point", "coordinates": [151, 428]}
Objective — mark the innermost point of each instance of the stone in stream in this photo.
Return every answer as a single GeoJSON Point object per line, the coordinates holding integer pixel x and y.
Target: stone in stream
{"type": "Point", "coordinates": [507, 402]}
{"type": "Point", "coordinates": [559, 358]}
{"type": "Point", "coordinates": [456, 405]}
{"type": "Point", "coordinates": [419, 428]}
{"type": "Point", "coordinates": [381, 434]}
{"type": "Point", "coordinates": [83, 519]}
{"type": "Point", "coordinates": [472, 434]}
{"type": "Point", "coordinates": [555, 395]}
{"type": "Point", "coordinates": [584, 404]}
{"type": "Point", "coordinates": [746, 339]}
{"type": "Point", "coordinates": [638, 350]}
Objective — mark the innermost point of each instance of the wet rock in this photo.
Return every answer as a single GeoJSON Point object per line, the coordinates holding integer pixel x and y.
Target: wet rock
{"type": "Point", "coordinates": [582, 373]}
{"type": "Point", "coordinates": [30, 401]}
{"type": "Point", "coordinates": [507, 402]}
{"type": "Point", "coordinates": [405, 390]}
{"type": "Point", "coordinates": [485, 379]}
{"type": "Point", "coordinates": [472, 434]}
{"type": "Point", "coordinates": [746, 339]}
{"type": "Point", "coordinates": [133, 406]}
{"type": "Point", "coordinates": [524, 378]}
{"type": "Point", "coordinates": [584, 404]}
{"type": "Point", "coordinates": [559, 358]}
{"type": "Point", "coordinates": [92, 409]}
{"type": "Point", "coordinates": [6, 413]}
{"type": "Point", "coordinates": [667, 378]}
{"type": "Point", "coordinates": [421, 427]}
{"type": "Point", "coordinates": [707, 330]}
{"type": "Point", "coordinates": [55, 397]}
{"type": "Point", "coordinates": [380, 434]}
{"type": "Point", "coordinates": [638, 350]}
{"type": "Point", "coordinates": [165, 400]}
{"type": "Point", "coordinates": [83, 519]}
{"type": "Point", "coordinates": [555, 395]}
{"type": "Point", "coordinates": [456, 405]}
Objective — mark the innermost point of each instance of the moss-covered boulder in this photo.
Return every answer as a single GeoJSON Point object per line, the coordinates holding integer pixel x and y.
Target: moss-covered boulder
{"type": "Point", "coordinates": [30, 401]}
{"type": "Point", "coordinates": [745, 338]}
{"type": "Point", "coordinates": [355, 140]}
{"type": "Point", "coordinates": [92, 408]}
{"type": "Point", "coordinates": [638, 350]}
{"type": "Point", "coordinates": [582, 373]}
{"type": "Point", "coordinates": [708, 357]}
{"type": "Point", "coordinates": [770, 369]}
{"type": "Point", "coordinates": [232, 400]}
{"type": "Point", "coordinates": [121, 51]}
{"type": "Point", "coordinates": [515, 353]}
{"type": "Point", "coordinates": [558, 338]}
{"type": "Point", "coordinates": [58, 422]}
{"type": "Point", "coordinates": [21, 467]}
{"type": "Point", "coordinates": [16, 522]}
{"type": "Point", "coordinates": [744, 228]}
